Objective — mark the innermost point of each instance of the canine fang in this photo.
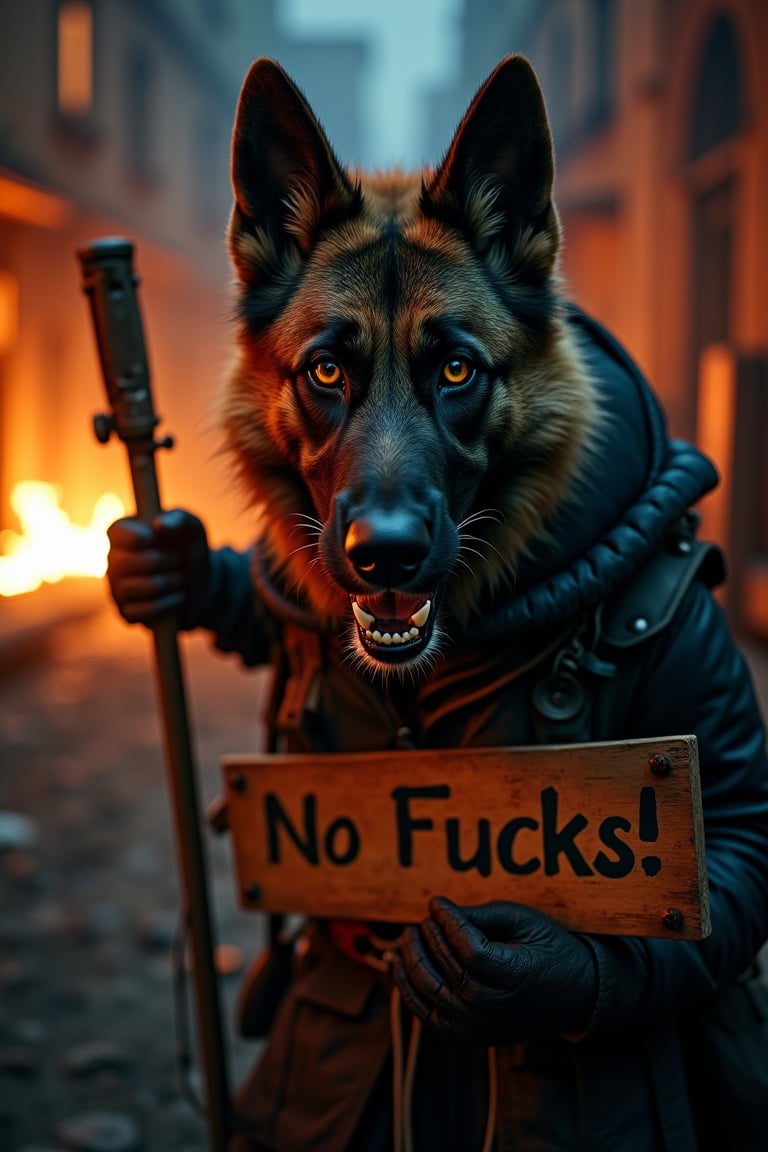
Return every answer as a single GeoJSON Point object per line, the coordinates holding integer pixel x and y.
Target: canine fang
{"type": "Point", "coordinates": [420, 618]}
{"type": "Point", "coordinates": [363, 618]}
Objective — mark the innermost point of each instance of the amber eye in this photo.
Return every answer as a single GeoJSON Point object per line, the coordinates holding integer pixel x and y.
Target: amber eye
{"type": "Point", "coordinates": [326, 373]}
{"type": "Point", "coordinates": [456, 371]}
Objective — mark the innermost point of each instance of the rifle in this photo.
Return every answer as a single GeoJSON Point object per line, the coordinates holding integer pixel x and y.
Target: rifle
{"type": "Point", "coordinates": [110, 284]}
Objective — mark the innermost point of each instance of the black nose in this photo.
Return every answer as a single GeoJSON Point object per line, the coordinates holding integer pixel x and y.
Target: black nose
{"type": "Point", "coordinates": [387, 547]}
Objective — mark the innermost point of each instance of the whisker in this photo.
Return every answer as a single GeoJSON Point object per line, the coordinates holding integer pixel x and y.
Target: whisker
{"type": "Point", "coordinates": [478, 540]}
{"type": "Point", "coordinates": [475, 552]}
{"type": "Point", "coordinates": [297, 584]}
{"type": "Point", "coordinates": [465, 563]}
{"type": "Point", "coordinates": [308, 518]}
{"type": "Point", "coordinates": [307, 530]}
{"type": "Point", "coordinates": [303, 547]}
{"type": "Point", "coordinates": [491, 514]}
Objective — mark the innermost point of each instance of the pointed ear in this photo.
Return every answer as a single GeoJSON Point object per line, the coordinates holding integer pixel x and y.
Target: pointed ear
{"type": "Point", "coordinates": [287, 182]}
{"type": "Point", "coordinates": [495, 182]}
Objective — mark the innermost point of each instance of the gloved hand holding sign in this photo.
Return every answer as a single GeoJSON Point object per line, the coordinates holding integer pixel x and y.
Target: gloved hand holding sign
{"type": "Point", "coordinates": [499, 973]}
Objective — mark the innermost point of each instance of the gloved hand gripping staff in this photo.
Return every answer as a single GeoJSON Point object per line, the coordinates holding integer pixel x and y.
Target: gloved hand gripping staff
{"type": "Point", "coordinates": [110, 284]}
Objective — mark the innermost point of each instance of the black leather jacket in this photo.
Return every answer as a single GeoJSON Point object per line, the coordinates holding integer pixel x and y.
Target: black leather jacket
{"type": "Point", "coordinates": [622, 1086]}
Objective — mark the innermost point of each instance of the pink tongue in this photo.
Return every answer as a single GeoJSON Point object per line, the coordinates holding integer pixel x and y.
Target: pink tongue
{"type": "Point", "coordinates": [392, 606]}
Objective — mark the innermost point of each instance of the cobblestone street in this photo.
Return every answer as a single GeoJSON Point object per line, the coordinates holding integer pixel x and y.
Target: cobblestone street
{"type": "Point", "coordinates": [88, 892]}
{"type": "Point", "coordinates": [88, 889]}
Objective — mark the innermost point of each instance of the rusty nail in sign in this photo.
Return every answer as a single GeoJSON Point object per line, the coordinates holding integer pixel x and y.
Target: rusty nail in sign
{"type": "Point", "coordinates": [660, 765]}
{"type": "Point", "coordinates": [673, 919]}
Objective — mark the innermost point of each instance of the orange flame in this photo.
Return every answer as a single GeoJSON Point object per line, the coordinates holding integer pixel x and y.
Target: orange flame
{"type": "Point", "coordinates": [50, 547]}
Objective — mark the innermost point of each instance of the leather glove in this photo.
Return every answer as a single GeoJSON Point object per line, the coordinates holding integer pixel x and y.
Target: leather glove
{"type": "Point", "coordinates": [160, 568]}
{"type": "Point", "coordinates": [499, 973]}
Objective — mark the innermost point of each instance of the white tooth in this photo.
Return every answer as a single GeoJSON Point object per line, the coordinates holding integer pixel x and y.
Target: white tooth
{"type": "Point", "coordinates": [420, 618]}
{"type": "Point", "coordinates": [413, 633]}
{"type": "Point", "coordinates": [386, 639]}
{"type": "Point", "coordinates": [397, 638]}
{"type": "Point", "coordinates": [363, 619]}
{"type": "Point", "coordinates": [376, 636]}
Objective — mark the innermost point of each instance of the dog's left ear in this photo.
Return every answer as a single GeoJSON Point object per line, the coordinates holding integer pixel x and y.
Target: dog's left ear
{"type": "Point", "coordinates": [495, 182]}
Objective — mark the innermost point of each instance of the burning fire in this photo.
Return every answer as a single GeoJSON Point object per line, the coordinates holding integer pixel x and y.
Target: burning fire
{"type": "Point", "coordinates": [50, 547]}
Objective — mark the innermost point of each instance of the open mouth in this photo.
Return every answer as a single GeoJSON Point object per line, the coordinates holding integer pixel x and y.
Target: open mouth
{"type": "Point", "coordinates": [393, 626]}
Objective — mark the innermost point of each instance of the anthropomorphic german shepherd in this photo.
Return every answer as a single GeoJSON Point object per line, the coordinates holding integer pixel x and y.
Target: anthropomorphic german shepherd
{"type": "Point", "coordinates": [409, 405]}
{"type": "Point", "coordinates": [472, 530]}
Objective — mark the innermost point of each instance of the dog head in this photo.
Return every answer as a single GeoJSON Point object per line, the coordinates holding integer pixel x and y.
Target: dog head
{"type": "Point", "coordinates": [406, 407]}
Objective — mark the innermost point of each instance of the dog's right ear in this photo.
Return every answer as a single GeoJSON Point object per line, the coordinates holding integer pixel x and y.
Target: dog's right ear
{"type": "Point", "coordinates": [288, 184]}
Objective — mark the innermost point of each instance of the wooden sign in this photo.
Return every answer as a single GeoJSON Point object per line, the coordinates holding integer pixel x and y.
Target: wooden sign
{"type": "Point", "coordinates": [604, 837]}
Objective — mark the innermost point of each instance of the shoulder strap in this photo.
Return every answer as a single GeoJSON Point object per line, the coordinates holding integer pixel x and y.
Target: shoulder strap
{"type": "Point", "coordinates": [295, 722]}
{"type": "Point", "coordinates": [648, 602]}
{"type": "Point", "coordinates": [562, 698]}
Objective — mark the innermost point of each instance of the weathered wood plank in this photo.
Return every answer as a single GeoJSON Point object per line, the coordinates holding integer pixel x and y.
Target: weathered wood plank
{"type": "Point", "coordinates": [593, 834]}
